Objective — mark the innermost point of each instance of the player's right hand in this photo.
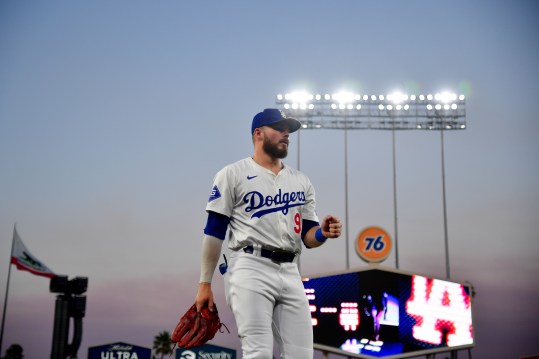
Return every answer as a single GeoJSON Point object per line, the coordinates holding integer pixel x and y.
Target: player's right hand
{"type": "Point", "coordinates": [204, 297]}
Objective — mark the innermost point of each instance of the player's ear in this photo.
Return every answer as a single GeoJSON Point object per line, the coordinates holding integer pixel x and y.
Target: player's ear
{"type": "Point", "coordinates": [253, 136]}
{"type": "Point", "coordinates": [257, 132]}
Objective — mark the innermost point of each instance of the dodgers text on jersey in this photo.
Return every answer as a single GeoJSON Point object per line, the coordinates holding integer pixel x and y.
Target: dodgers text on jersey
{"type": "Point", "coordinates": [256, 200]}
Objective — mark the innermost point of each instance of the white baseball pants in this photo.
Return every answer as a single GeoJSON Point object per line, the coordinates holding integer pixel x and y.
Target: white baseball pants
{"type": "Point", "coordinates": [269, 302]}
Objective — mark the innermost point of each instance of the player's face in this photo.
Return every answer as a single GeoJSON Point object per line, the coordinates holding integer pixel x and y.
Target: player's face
{"type": "Point", "coordinates": [276, 141]}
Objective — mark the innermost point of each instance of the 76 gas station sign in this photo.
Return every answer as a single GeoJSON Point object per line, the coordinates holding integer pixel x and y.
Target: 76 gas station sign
{"type": "Point", "coordinates": [373, 244]}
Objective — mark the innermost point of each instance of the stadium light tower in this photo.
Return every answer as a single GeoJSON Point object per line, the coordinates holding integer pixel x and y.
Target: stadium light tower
{"type": "Point", "coordinates": [396, 111]}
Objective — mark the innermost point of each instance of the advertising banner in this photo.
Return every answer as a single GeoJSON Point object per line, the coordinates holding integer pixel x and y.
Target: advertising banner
{"type": "Point", "coordinates": [207, 351]}
{"type": "Point", "coordinates": [119, 351]}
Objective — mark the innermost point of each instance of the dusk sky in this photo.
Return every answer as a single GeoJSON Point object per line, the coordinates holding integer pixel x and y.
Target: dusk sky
{"type": "Point", "coordinates": [116, 115]}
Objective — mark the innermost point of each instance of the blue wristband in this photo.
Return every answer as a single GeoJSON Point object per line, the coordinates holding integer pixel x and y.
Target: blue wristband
{"type": "Point", "coordinates": [319, 236]}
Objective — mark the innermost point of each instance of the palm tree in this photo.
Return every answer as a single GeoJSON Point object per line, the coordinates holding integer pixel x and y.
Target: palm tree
{"type": "Point", "coordinates": [14, 352]}
{"type": "Point", "coordinates": [162, 343]}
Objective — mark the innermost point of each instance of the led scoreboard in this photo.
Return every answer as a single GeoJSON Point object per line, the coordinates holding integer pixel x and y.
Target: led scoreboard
{"type": "Point", "coordinates": [388, 314]}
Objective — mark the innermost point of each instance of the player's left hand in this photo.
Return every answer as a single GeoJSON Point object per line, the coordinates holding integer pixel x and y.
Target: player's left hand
{"type": "Point", "coordinates": [331, 227]}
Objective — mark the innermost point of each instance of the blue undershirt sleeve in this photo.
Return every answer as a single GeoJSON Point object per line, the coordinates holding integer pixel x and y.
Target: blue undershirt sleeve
{"type": "Point", "coordinates": [216, 225]}
{"type": "Point", "coordinates": [306, 225]}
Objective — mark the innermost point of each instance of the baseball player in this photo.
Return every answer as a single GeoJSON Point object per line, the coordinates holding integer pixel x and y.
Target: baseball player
{"type": "Point", "coordinates": [268, 209]}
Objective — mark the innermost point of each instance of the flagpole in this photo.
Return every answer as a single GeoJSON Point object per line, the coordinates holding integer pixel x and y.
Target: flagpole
{"type": "Point", "coordinates": [7, 292]}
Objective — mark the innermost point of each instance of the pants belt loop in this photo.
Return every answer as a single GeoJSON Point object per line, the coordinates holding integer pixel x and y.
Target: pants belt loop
{"type": "Point", "coordinates": [257, 248]}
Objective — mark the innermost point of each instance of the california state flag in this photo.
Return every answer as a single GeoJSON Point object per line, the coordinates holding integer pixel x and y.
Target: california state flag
{"type": "Point", "coordinates": [24, 260]}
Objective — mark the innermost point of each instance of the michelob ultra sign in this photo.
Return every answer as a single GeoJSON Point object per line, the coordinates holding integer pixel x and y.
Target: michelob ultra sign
{"type": "Point", "coordinates": [388, 314]}
{"type": "Point", "coordinates": [119, 350]}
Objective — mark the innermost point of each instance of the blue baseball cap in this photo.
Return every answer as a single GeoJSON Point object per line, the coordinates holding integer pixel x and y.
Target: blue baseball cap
{"type": "Point", "coordinates": [272, 116]}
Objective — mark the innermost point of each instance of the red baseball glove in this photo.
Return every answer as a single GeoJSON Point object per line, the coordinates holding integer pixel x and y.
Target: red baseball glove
{"type": "Point", "coordinates": [196, 328]}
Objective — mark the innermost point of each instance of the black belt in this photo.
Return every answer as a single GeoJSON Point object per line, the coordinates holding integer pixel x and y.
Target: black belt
{"type": "Point", "coordinates": [276, 256]}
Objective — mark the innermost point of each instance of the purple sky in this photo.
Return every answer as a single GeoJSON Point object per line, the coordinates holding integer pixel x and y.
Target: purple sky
{"type": "Point", "coordinates": [115, 116]}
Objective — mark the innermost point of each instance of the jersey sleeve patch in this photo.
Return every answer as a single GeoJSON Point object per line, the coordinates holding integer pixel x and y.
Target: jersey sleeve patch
{"type": "Point", "coordinates": [214, 194]}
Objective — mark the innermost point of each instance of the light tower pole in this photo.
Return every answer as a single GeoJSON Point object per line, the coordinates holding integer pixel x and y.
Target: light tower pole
{"type": "Point", "coordinates": [346, 221]}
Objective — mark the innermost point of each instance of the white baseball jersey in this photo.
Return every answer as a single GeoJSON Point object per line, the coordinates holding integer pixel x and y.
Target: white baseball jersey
{"type": "Point", "coordinates": [264, 208]}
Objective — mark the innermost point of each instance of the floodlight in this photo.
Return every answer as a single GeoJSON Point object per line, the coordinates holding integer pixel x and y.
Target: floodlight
{"type": "Point", "coordinates": [280, 97]}
{"type": "Point", "coordinates": [380, 107]}
{"type": "Point", "coordinates": [318, 97]}
{"type": "Point", "coordinates": [373, 97]}
{"type": "Point", "coordinates": [438, 106]}
{"type": "Point", "coordinates": [429, 107]}
{"type": "Point", "coordinates": [445, 97]}
{"type": "Point", "coordinates": [389, 107]}
{"type": "Point", "coordinates": [397, 97]}
{"type": "Point", "coordinates": [412, 97]}
{"type": "Point", "coordinates": [299, 96]}
{"type": "Point", "coordinates": [365, 97]}
{"type": "Point", "coordinates": [327, 97]}
{"type": "Point", "coordinates": [454, 106]}
{"type": "Point", "coordinates": [461, 97]}
{"type": "Point", "coordinates": [429, 97]}
{"type": "Point", "coordinates": [421, 97]}
{"type": "Point", "coordinates": [343, 97]}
